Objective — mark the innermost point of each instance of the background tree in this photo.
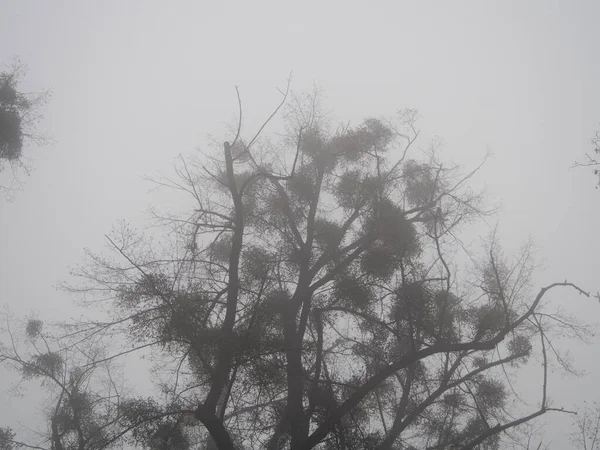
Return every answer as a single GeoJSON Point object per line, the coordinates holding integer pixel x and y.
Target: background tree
{"type": "Point", "coordinates": [587, 433]}
{"type": "Point", "coordinates": [85, 407]}
{"type": "Point", "coordinates": [311, 297]}
{"type": "Point", "coordinates": [593, 159]}
{"type": "Point", "coordinates": [530, 437]}
{"type": "Point", "coordinates": [20, 112]}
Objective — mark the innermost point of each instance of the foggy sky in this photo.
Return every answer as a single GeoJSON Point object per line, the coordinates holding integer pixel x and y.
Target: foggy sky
{"type": "Point", "coordinates": [135, 83]}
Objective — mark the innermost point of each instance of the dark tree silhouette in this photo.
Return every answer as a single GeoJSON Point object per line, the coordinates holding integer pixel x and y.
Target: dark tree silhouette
{"type": "Point", "coordinates": [316, 295]}
{"type": "Point", "coordinates": [587, 433]}
{"type": "Point", "coordinates": [84, 394]}
{"type": "Point", "coordinates": [20, 112]}
{"type": "Point", "coordinates": [593, 159]}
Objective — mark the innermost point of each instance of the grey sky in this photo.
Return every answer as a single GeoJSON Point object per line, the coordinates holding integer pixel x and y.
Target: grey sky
{"type": "Point", "coordinates": [135, 83]}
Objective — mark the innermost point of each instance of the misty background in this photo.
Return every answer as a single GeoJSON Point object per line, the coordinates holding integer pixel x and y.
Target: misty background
{"type": "Point", "coordinates": [136, 83]}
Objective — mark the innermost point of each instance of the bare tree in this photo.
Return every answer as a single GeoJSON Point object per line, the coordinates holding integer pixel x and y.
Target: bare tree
{"type": "Point", "coordinates": [530, 437]}
{"type": "Point", "coordinates": [593, 159]}
{"type": "Point", "coordinates": [587, 423]}
{"type": "Point", "coordinates": [317, 295]}
{"type": "Point", "coordinates": [84, 395]}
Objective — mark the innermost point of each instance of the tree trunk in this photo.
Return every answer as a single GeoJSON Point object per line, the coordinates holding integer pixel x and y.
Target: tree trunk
{"type": "Point", "coordinates": [210, 442]}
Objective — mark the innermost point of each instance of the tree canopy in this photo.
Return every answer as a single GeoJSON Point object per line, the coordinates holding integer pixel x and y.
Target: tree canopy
{"type": "Point", "coordinates": [316, 295]}
{"type": "Point", "coordinates": [19, 114]}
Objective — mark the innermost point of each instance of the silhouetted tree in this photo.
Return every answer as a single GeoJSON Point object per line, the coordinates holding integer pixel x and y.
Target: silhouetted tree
{"type": "Point", "coordinates": [587, 433]}
{"type": "Point", "coordinates": [593, 159]}
{"type": "Point", "coordinates": [311, 297]}
{"type": "Point", "coordinates": [86, 408]}
{"type": "Point", "coordinates": [19, 114]}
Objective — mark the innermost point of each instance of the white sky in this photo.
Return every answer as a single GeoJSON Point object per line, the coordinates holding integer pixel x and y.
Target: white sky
{"type": "Point", "coordinates": [135, 83]}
